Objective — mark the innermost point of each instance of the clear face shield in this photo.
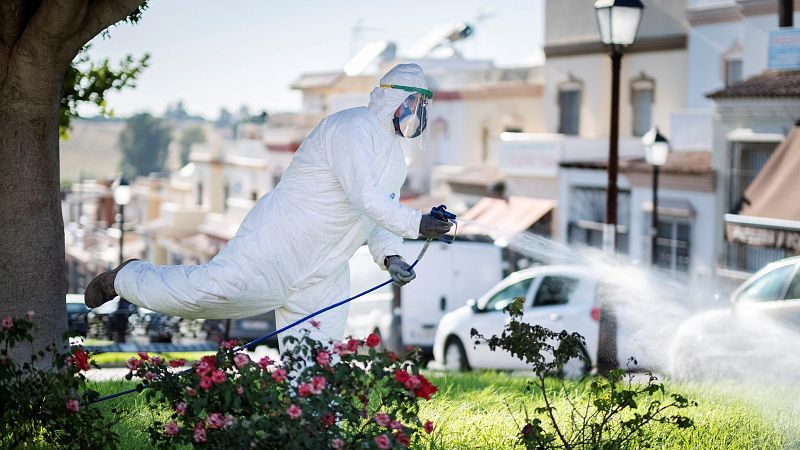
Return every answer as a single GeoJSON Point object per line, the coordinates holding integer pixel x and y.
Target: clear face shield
{"type": "Point", "coordinates": [411, 117]}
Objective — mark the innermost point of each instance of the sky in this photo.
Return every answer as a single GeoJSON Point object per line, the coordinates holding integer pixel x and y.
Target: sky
{"type": "Point", "coordinates": [212, 54]}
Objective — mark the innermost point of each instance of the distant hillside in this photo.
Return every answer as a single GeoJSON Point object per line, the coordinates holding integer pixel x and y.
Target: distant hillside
{"type": "Point", "coordinates": [91, 149]}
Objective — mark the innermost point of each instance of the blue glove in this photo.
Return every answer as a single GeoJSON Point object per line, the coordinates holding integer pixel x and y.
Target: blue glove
{"type": "Point", "coordinates": [401, 271]}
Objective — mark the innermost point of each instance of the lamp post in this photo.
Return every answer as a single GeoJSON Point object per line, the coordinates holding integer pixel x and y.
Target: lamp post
{"type": "Point", "coordinates": [656, 151]}
{"type": "Point", "coordinates": [121, 190]}
{"type": "Point", "coordinates": [618, 21]}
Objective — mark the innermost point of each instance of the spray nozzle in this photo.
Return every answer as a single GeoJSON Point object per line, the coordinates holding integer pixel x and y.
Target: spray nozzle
{"type": "Point", "coordinates": [441, 213]}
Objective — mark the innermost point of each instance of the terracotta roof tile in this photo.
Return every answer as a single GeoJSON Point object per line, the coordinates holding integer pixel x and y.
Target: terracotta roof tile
{"type": "Point", "coordinates": [770, 84]}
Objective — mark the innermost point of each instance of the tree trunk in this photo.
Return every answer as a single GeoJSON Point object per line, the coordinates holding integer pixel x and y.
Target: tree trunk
{"type": "Point", "coordinates": [32, 275]}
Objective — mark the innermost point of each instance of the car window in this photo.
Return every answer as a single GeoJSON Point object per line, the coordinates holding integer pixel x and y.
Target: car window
{"type": "Point", "coordinates": [769, 286]}
{"type": "Point", "coordinates": [555, 291]}
{"type": "Point", "coordinates": [500, 300]}
{"type": "Point", "coordinates": [794, 288]}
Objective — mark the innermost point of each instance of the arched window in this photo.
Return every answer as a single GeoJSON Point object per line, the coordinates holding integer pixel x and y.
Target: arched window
{"type": "Point", "coordinates": [642, 96]}
{"type": "Point", "coordinates": [732, 65]}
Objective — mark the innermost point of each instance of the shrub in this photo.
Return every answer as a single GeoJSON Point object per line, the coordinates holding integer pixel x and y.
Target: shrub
{"type": "Point", "coordinates": [342, 395]}
{"type": "Point", "coordinates": [614, 413]}
{"type": "Point", "coordinates": [47, 406]}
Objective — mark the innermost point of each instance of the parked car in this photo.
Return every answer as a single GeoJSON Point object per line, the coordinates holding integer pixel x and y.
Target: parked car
{"type": "Point", "coordinates": [77, 315]}
{"type": "Point", "coordinates": [556, 297]}
{"type": "Point", "coordinates": [446, 276]}
{"type": "Point", "coordinates": [246, 329]}
{"type": "Point", "coordinates": [760, 329]}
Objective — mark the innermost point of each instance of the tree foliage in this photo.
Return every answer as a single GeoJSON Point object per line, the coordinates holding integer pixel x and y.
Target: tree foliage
{"type": "Point", "coordinates": [190, 136]}
{"type": "Point", "coordinates": [89, 81]}
{"type": "Point", "coordinates": [144, 143]}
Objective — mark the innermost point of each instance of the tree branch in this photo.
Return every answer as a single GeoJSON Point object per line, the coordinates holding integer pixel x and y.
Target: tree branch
{"type": "Point", "coordinates": [101, 15]}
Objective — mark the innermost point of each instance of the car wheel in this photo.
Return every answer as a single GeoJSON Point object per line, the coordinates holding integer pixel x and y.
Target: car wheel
{"type": "Point", "coordinates": [455, 357]}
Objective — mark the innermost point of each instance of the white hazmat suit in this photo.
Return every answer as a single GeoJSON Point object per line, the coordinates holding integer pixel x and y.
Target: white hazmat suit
{"type": "Point", "coordinates": [291, 252]}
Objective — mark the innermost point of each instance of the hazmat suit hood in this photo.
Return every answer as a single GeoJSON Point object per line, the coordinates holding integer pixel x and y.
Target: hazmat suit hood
{"type": "Point", "coordinates": [383, 102]}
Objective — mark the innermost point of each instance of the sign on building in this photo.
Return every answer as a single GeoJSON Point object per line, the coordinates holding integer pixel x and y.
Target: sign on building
{"type": "Point", "coordinates": [784, 49]}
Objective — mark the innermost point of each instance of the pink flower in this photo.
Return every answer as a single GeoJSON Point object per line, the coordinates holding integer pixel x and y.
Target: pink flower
{"type": "Point", "coordinates": [227, 421]}
{"type": "Point", "coordinates": [239, 390]}
{"type": "Point", "coordinates": [279, 375]}
{"type": "Point", "coordinates": [382, 441]}
{"type": "Point", "coordinates": [133, 364]}
{"type": "Point", "coordinates": [402, 439]}
{"type": "Point", "coordinates": [177, 362]}
{"type": "Point", "coordinates": [353, 344]}
{"type": "Point", "coordinates": [428, 426]}
{"type": "Point", "coordinates": [318, 383]}
{"type": "Point", "coordinates": [294, 412]}
{"type": "Point", "coordinates": [8, 323]}
{"type": "Point", "coordinates": [180, 408]}
{"type": "Point", "coordinates": [29, 314]}
{"type": "Point", "coordinates": [241, 360]}
{"type": "Point", "coordinates": [264, 362]}
{"type": "Point", "coordinates": [383, 419]}
{"type": "Point", "coordinates": [156, 360]}
{"type": "Point", "coordinates": [395, 425]}
{"type": "Point", "coordinates": [323, 358]}
{"type": "Point", "coordinates": [204, 368]}
{"type": "Point", "coordinates": [304, 390]}
{"type": "Point", "coordinates": [230, 344]}
{"type": "Point", "coordinates": [218, 376]}
{"type": "Point", "coordinates": [373, 340]}
{"type": "Point", "coordinates": [143, 356]}
{"type": "Point", "coordinates": [337, 444]}
{"type": "Point", "coordinates": [190, 391]}
{"type": "Point", "coordinates": [73, 405]}
{"type": "Point", "coordinates": [206, 383]}
{"type": "Point", "coordinates": [199, 432]}
{"type": "Point", "coordinates": [150, 376]}
{"type": "Point", "coordinates": [327, 419]}
{"type": "Point", "coordinates": [314, 323]}
{"type": "Point", "coordinates": [215, 421]}
{"type": "Point", "coordinates": [172, 428]}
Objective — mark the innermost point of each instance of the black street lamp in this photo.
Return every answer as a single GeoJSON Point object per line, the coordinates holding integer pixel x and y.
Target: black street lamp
{"type": "Point", "coordinates": [656, 151]}
{"type": "Point", "coordinates": [618, 21]}
{"type": "Point", "coordinates": [121, 190]}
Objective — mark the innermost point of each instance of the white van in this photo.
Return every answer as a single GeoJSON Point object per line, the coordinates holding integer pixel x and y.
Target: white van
{"type": "Point", "coordinates": [447, 277]}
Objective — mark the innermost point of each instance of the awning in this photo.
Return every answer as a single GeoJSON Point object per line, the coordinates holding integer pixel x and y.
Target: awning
{"type": "Point", "coordinates": [509, 216]}
{"type": "Point", "coordinates": [773, 192]}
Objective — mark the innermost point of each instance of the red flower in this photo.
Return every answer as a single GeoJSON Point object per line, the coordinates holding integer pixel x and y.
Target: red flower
{"type": "Point", "coordinates": [279, 375]}
{"type": "Point", "coordinates": [382, 441]}
{"type": "Point", "coordinates": [241, 360]}
{"type": "Point", "coordinates": [133, 364]}
{"type": "Point", "coordinates": [206, 383]}
{"type": "Point", "coordinates": [314, 323]}
{"type": "Point", "coordinates": [395, 425]}
{"type": "Point", "coordinates": [199, 432]}
{"type": "Point", "coordinates": [264, 362]}
{"type": "Point", "coordinates": [190, 391]}
{"type": "Point", "coordinates": [327, 419]}
{"type": "Point", "coordinates": [323, 358]}
{"type": "Point", "coordinates": [230, 344]}
{"type": "Point", "coordinates": [180, 408]}
{"type": "Point", "coordinates": [8, 322]}
{"type": "Point", "coordinates": [402, 439]}
{"type": "Point", "coordinates": [425, 388]}
{"type": "Point", "coordinates": [218, 376]}
{"type": "Point", "coordinates": [73, 405]}
{"type": "Point", "coordinates": [143, 356]}
{"type": "Point", "coordinates": [172, 428]}
{"type": "Point", "coordinates": [383, 419]}
{"type": "Point", "coordinates": [352, 345]}
{"type": "Point", "coordinates": [294, 412]}
{"type": "Point", "coordinates": [428, 426]}
{"type": "Point", "coordinates": [393, 356]}
{"type": "Point", "coordinates": [177, 362]}
{"type": "Point", "coordinates": [318, 383]}
{"type": "Point", "coordinates": [304, 390]}
{"type": "Point", "coordinates": [81, 359]}
{"type": "Point", "coordinates": [401, 376]}
{"type": "Point", "coordinates": [373, 340]}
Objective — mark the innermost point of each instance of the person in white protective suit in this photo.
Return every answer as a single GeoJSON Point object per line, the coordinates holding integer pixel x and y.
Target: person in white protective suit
{"type": "Point", "coordinates": [290, 253]}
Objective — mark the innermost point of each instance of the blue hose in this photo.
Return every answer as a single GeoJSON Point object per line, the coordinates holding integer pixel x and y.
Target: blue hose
{"type": "Point", "coordinates": [291, 325]}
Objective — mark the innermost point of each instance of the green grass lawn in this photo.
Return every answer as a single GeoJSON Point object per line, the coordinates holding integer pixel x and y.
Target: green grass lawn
{"type": "Point", "coordinates": [483, 410]}
{"type": "Point", "coordinates": [120, 359]}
